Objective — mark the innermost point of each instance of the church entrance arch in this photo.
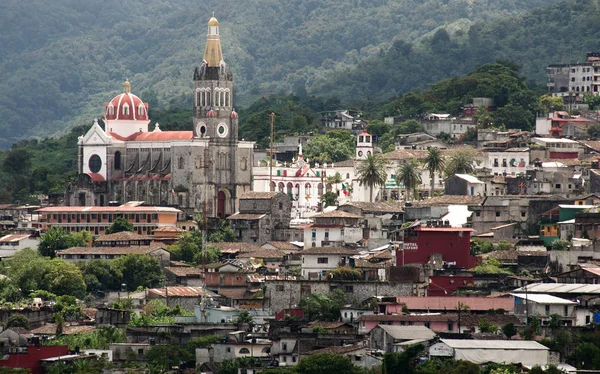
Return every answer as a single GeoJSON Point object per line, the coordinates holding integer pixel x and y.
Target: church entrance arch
{"type": "Point", "coordinates": [221, 204]}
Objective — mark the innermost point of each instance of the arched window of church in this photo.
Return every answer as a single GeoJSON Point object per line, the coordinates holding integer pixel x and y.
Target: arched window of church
{"type": "Point", "coordinates": [125, 110]}
{"type": "Point", "coordinates": [281, 186]}
{"type": "Point", "coordinates": [111, 110]}
{"type": "Point", "coordinates": [207, 99]}
{"type": "Point", "coordinates": [289, 188]}
{"type": "Point", "coordinates": [141, 110]}
{"type": "Point", "coordinates": [181, 163]}
{"type": "Point", "coordinates": [117, 160]}
{"type": "Point", "coordinates": [320, 189]}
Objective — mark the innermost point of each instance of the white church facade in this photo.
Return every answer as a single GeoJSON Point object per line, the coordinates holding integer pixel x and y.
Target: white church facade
{"type": "Point", "coordinates": [204, 169]}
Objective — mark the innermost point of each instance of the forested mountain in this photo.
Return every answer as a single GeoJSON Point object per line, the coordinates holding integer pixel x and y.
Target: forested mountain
{"type": "Point", "coordinates": [559, 33]}
{"type": "Point", "coordinates": [61, 60]}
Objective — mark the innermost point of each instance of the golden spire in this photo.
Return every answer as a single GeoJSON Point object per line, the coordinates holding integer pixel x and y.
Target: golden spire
{"type": "Point", "coordinates": [126, 86]}
{"type": "Point", "coordinates": [213, 54]}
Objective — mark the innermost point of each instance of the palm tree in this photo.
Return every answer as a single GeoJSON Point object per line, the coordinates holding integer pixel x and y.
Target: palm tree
{"type": "Point", "coordinates": [434, 162]}
{"type": "Point", "coordinates": [462, 162]}
{"type": "Point", "coordinates": [372, 172]}
{"type": "Point", "coordinates": [410, 176]}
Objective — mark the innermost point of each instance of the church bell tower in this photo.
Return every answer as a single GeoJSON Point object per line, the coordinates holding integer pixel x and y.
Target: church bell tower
{"type": "Point", "coordinates": [214, 116]}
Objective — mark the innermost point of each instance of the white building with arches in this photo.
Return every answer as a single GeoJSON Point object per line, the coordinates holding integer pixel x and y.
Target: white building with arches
{"type": "Point", "coordinates": [306, 184]}
{"type": "Point", "coordinates": [204, 169]}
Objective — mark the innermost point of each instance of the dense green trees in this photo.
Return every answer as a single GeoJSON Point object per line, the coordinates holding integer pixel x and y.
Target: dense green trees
{"type": "Point", "coordinates": [333, 146]}
{"type": "Point", "coordinates": [324, 363]}
{"type": "Point", "coordinates": [323, 308]}
{"type": "Point", "coordinates": [56, 239]}
{"type": "Point", "coordinates": [279, 56]}
{"type": "Point", "coordinates": [189, 247]}
{"type": "Point", "coordinates": [139, 271]}
{"type": "Point", "coordinates": [32, 275]}
{"type": "Point", "coordinates": [119, 225]}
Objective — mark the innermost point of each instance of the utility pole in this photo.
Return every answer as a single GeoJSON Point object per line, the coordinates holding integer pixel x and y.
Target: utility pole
{"type": "Point", "coordinates": [526, 305]}
{"type": "Point", "coordinates": [272, 116]}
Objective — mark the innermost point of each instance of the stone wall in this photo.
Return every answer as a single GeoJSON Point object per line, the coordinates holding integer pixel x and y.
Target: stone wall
{"type": "Point", "coordinates": [282, 294]}
{"type": "Point", "coordinates": [35, 316]}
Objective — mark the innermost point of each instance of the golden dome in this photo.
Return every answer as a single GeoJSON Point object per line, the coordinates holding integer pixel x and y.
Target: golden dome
{"type": "Point", "coordinates": [126, 86]}
{"type": "Point", "coordinates": [213, 21]}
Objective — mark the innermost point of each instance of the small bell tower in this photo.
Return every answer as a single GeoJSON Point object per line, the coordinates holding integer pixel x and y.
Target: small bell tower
{"type": "Point", "coordinates": [364, 145]}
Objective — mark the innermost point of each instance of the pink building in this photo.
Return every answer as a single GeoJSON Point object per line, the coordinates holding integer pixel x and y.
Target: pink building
{"type": "Point", "coordinates": [436, 322]}
{"type": "Point", "coordinates": [432, 304]}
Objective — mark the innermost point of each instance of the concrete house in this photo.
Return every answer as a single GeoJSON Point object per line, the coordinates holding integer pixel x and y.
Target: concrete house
{"type": "Point", "coordinates": [396, 338]}
{"type": "Point", "coordinates": [464, 184]}
{"type": "Point", "coordinates": [76, 254]}
{"type": "Point", "coordinates": [16, 242]}
{"type": "Point", "coordinates": [315, 261]}
{"type": "Point", "coordinates": [260, 214]}
{"type": "Point", "coordinates": [335, 228]}
{"type": "Point", "coordinates": [544, 306]}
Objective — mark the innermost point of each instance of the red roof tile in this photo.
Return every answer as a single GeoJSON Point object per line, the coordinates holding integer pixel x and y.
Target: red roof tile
{"type": "Point", "coordinates": [96, 177]}
{"type": "Point", "coordinates": [155, 136]}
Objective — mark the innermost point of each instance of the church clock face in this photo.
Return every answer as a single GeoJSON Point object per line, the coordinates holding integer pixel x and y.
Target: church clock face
{"type": "Point", "coordinates": [222, 130]}
{"type": "Point", "coordinates": [201, 129]}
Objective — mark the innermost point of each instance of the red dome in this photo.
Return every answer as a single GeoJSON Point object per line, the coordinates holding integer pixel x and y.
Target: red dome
{"type": "Point", "coordinates": [211, 113]}
{"type": "Point", "coordinates": [233, 114]}
{"type": "Point", "coordinates": [126, 106]}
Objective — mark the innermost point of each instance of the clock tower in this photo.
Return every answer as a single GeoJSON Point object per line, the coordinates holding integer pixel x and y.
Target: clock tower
{"type": "Point", "coordinates": [214, 117]}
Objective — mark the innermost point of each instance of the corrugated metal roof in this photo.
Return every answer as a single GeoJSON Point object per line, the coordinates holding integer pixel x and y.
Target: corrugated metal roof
{"type": "Point", "coordinates": [13, 238]}
{"type": "Point", "coordinates": [575, 288]}
{"type": "Point", "coordinates": [469, 178]}
{"type": "Point", "coordinates": [542, 298]}
{"type": "Point", "coordinates": [408, 332]}
{"type": "Point", "coordinates": [494, 344]}
{"type": "Point", "coordinates": [246, 216]}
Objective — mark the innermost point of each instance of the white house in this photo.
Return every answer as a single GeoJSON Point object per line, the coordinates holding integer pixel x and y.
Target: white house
{"type": "Point", "coordinates": [316, 261]}
{"type": "Point", "coordinates": [335, 228]}
{"type": "Point", "coordinates": [544, 306]}
{"type": "Point", "coordinates": [559, 147]}
{"type": "Point", "coordinates": [512, 161]}
{"type": "Point", "coordinates": [16, 242]}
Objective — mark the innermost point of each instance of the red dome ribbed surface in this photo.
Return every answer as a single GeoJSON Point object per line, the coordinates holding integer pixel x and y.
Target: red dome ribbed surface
{"type": "Point", "coordinates": [126, 106]}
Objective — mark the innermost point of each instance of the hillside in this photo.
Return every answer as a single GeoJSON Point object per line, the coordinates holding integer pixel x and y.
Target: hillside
{"type": "Point", "coordinates": [559, 33]}
{"type": "Point", "coordinates": [60, 61]}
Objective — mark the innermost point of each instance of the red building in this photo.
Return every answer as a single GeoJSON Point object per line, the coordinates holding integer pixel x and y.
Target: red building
{"type": "Point", "coordinates": [30, 357]}
{"type": "Point", "coordinates": [423, 243]}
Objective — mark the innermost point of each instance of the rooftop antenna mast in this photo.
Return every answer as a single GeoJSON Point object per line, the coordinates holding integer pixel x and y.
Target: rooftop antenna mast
{"type": "Point", "coordinates": [272, 116]}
